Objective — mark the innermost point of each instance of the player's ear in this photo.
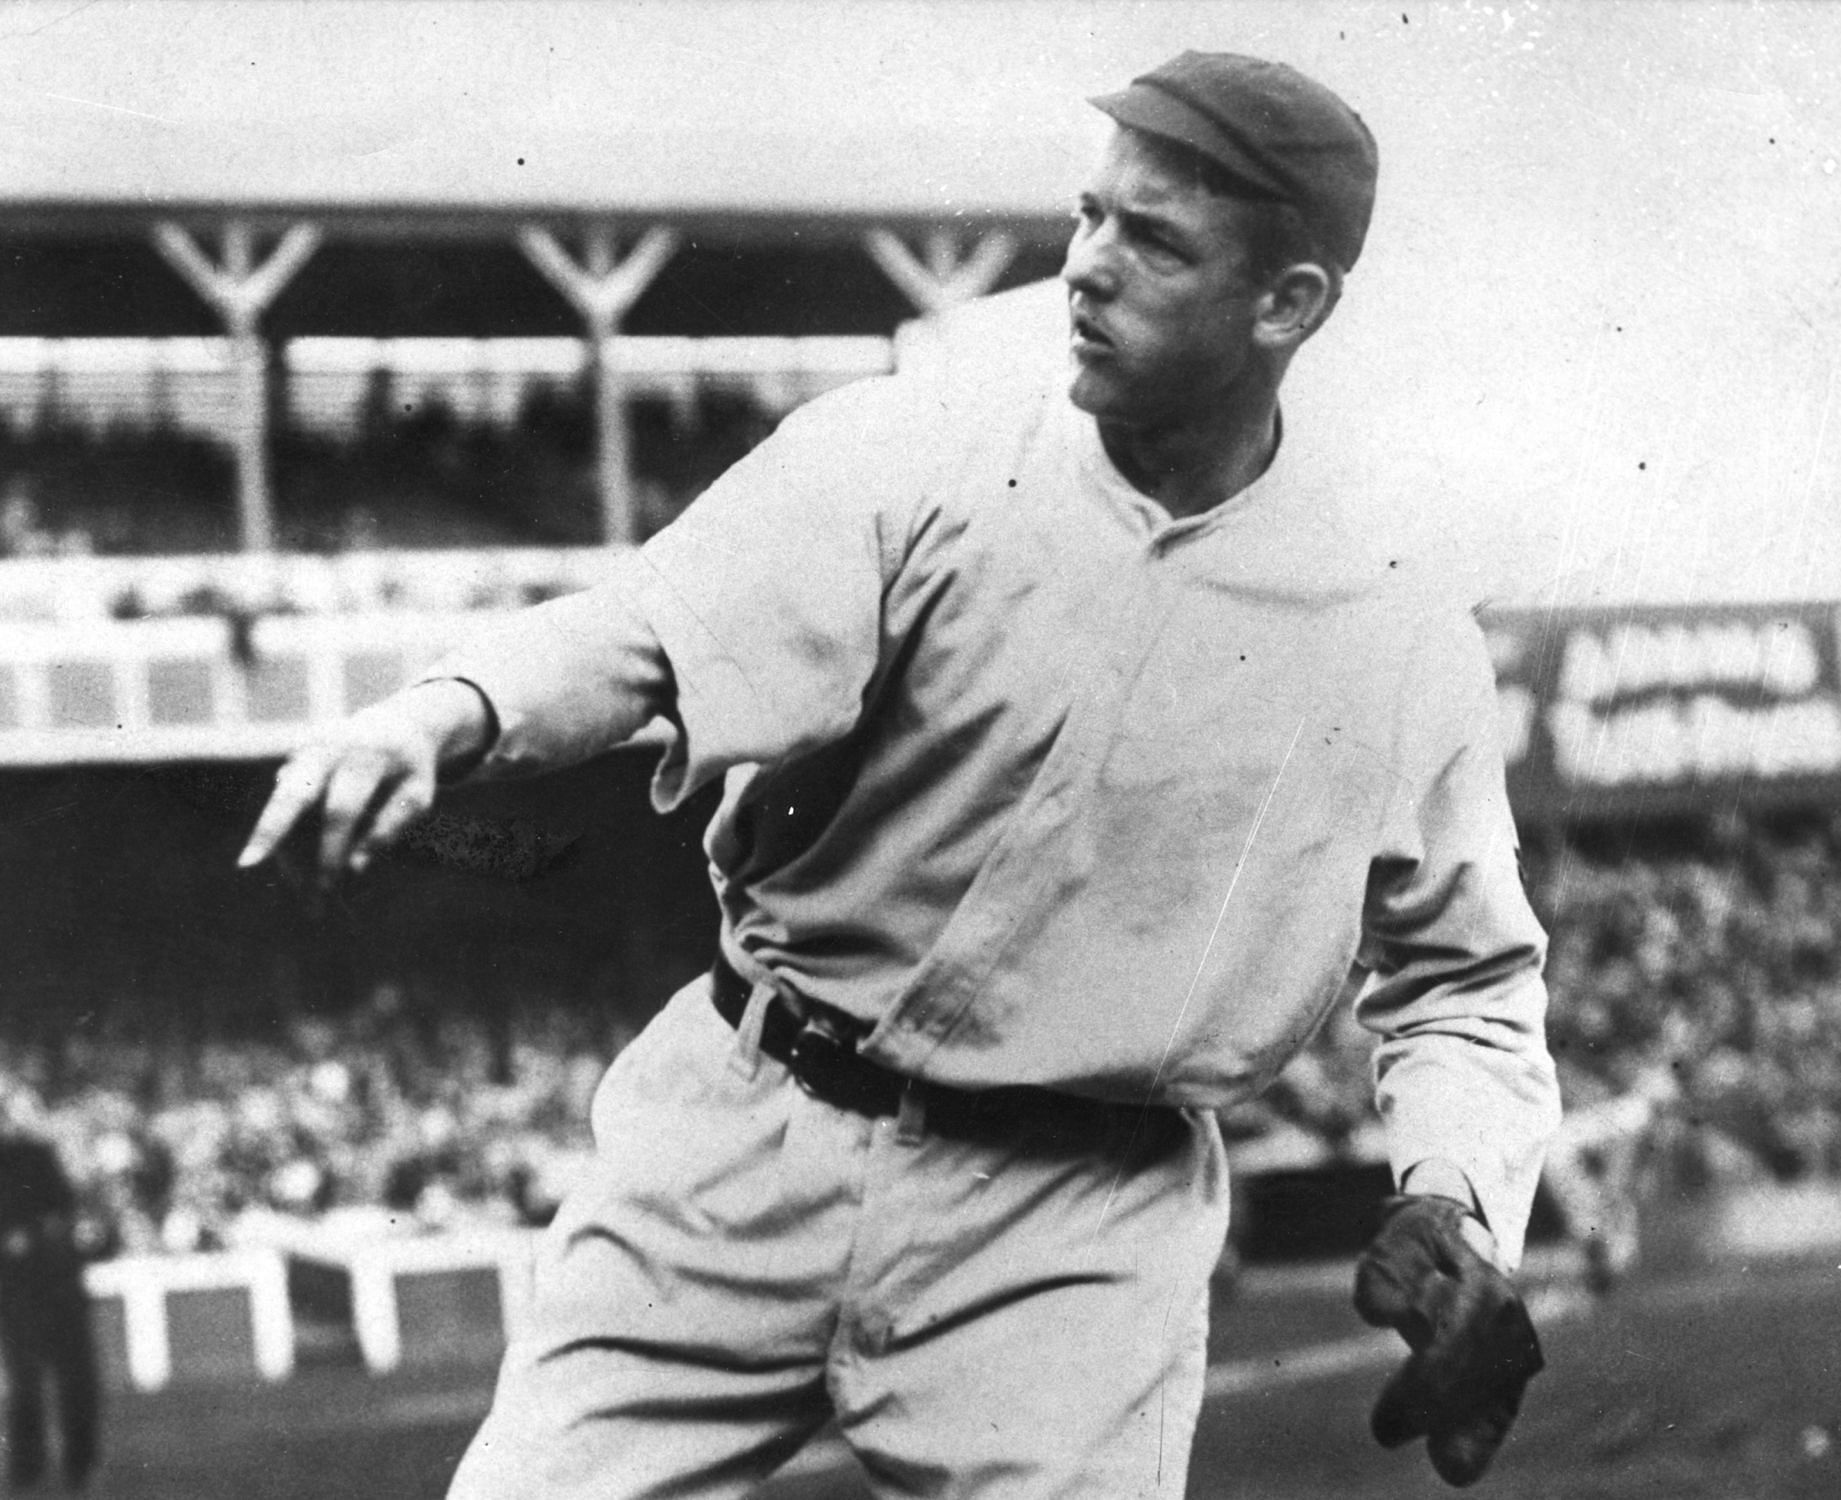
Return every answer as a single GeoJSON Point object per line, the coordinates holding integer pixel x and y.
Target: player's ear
{"type": "Point", "coordinates": [1294, 306]}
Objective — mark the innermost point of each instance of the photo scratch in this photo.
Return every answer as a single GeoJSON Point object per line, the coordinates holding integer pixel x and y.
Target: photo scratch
{"type": "Point", "coordinates": [1201, 964]}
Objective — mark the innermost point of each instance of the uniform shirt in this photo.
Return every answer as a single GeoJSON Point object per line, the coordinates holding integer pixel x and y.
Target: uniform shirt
{"type": "Point", "coordinates": [1046, 787]}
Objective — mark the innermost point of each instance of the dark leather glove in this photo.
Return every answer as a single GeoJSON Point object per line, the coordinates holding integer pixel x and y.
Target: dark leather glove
{"type": "Point", "coordinates": [1474, 1346]}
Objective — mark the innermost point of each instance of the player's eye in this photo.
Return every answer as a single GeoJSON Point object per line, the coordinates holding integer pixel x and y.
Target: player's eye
{"type": "Point", "coordinates": [1159, 248]}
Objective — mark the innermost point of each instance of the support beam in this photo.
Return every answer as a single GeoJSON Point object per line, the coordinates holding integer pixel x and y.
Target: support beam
{"type": "Point", "coordinates": [241, 287]}
{"type": "Point", "coordinates": [602, 288]}
{"type": "Point", "coordinates": [941, 278]}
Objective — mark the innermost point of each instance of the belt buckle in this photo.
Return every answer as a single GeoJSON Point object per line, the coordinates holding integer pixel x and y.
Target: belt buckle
{"type": "Point", "coordinates": [827, 1067]}
{"type": "Point", "coordinates": [819, 1062]}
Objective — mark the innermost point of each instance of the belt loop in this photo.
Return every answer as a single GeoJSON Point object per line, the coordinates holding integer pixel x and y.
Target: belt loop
{"type": "Point", "coordinates": [911, 1120]}
{"type": "Point", "coordinates": [746, 1059]}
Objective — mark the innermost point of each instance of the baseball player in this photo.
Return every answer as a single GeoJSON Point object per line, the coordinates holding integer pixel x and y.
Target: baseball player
{"type": "Point", "coordinates": [1074, 753]}
{"type": "Point", "coordinates": [1603, 1162]}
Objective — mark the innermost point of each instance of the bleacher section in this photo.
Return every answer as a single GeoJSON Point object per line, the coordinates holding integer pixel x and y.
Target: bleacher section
{"type": "Point", "coordinates": [172, 382]}
{"type": "Point", "coordinates": [189, 383]}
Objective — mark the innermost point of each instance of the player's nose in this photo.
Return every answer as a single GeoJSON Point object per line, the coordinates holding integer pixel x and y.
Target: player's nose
{"type": "Point", "coordinates": [1088, 268]}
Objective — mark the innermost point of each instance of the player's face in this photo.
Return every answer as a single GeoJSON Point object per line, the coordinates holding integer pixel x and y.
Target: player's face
{"type": "Point", "coordinates": [1161, 305]}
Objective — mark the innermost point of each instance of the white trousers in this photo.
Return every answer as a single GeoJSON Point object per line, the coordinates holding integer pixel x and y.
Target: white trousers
{"type": "Point", "coordinates": [1012, 1317]}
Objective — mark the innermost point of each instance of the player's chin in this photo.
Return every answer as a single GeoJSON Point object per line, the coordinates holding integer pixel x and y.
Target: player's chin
{"type": "Point", "coordinates": [1117, 402]}
{"type": "Point", "coordinates": [1095, 387]}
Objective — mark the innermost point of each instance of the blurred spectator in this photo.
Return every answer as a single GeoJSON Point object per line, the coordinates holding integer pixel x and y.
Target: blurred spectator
{"type": "Point", "coordinates": [44, 1314]}
{"type": "Point", "coordinates": [1600, 1168]}
{"type": "Point", "coordinates": [22, 533]}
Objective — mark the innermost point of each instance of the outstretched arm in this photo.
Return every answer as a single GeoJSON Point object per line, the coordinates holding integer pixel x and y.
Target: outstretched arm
{"type": "Point", "coordinates": [751, 624]}
{"type": "Point", "coordinates": [547, 687]}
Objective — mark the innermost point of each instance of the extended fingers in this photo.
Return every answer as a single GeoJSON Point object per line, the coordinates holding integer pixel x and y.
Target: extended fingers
{"type": "Point", "coordinates": [355, 792]}
{"type": "Point", "coordinates": [362, 786]}
{"type": "Point", "coordinates": [298, 786]}
{"type": "Point", "coordinates": [397, 811]}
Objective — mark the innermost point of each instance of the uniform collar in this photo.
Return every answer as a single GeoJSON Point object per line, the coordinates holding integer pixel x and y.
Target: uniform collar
{"type": "Point", "coordinates": [1123, 496]}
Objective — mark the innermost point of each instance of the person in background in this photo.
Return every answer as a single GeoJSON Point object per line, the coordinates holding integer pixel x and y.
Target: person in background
{"type": "Point", "coordinates": [1597, 1168]}
{"type": "Point", "coordinates": [45, 1337]}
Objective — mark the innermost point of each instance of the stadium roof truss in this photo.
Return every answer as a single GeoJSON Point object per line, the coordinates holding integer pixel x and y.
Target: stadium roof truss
{"type": "Point", "coordinates": [239, 258]}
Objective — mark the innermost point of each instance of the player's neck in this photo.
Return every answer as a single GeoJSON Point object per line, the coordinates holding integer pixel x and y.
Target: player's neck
{"type": "Point", "coordinates": [1188, 469]}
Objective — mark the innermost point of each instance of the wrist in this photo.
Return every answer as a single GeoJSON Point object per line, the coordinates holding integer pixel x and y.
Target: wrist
{"type": "Point", "coordinates": [1478, 1236]}
{"type": "Point", "coordinates": [1437, 1178]}
{"type": "Point", "coordinates": [459, 719]}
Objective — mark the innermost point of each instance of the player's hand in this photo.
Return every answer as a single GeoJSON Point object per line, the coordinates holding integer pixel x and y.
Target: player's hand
{"type": "Point", "coordinates": [1474, 1348]}
{"type": "Point", "coordinates": [371, 778]}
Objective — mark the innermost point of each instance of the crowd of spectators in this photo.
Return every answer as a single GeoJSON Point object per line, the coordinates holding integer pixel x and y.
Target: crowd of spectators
{"type": "Point", "coordinates": [404, 1122]}
{"type": "Point", "coordinates": [1709, 961]}
{"type": "Point", "coordinates": [1709, 973]}
{"type": "Point", "coordinates": [1694, 966]}
{"type": "Point", "coordinates": [411, 474]}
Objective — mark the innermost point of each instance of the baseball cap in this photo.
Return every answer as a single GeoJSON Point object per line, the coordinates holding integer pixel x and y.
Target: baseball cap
{"type": "Point", "coordinates": [1266, 125]}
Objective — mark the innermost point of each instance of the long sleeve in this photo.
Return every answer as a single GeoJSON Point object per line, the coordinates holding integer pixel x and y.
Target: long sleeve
{"type": "Point", "coordinates": [1462, 1071]}
{"type": "Point", "coordinates": [751, 625]}
{"type": "Point", "coordinates": [567, 679]}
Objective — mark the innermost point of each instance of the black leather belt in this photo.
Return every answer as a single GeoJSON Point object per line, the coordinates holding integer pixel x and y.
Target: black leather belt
{"type": "Point", "coordinates": [825, 1062]}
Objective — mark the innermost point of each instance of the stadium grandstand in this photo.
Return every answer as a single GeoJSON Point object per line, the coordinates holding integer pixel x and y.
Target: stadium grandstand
{"type": "Point", "coordinates": [270, 440]}
{"type": "Point", "coordinates": [278, 423]}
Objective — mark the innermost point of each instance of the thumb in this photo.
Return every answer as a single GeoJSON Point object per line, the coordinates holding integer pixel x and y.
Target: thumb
{"type": "Point", "coordinates": [1403, 1411]}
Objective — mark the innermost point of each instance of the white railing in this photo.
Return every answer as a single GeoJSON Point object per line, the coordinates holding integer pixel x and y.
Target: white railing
{"type": "Point", "coordinates": [145, 1287]}
{"type": "Point", "coordinates": [83, 590]}
{"type": "Point", "coordinates": [205, 689]}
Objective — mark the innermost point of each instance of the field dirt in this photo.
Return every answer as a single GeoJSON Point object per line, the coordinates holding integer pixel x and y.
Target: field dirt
{"type": "Point", "coordinates": [1704, 1383]}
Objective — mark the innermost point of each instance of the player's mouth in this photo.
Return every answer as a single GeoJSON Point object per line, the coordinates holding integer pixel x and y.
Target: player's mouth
{"type": "Point", "coordinates": [1086, 337]}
